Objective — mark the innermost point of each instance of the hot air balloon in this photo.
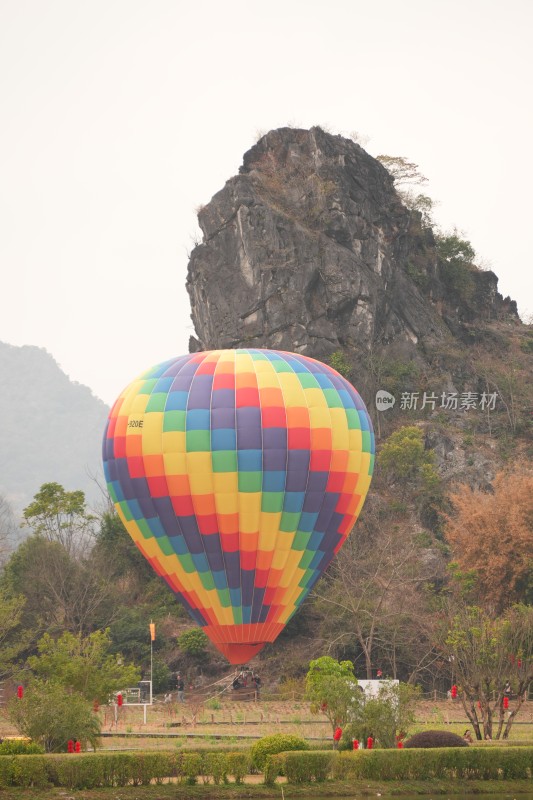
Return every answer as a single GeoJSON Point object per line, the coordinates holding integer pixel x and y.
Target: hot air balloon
{"type": "Point", "coordinates": [239, 474]}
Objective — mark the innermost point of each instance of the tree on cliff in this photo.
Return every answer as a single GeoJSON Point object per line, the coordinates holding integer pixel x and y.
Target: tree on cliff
{"type": "Point", "coordinates": [402, 170]}
{"type": "Point", "coordinates": [407, 173]}
{"type": "Point", "coordinates": [491, 533]}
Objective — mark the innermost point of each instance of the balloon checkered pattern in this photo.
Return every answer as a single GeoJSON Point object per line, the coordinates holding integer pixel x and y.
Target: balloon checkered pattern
{"type": "Point", "coordinates": [239, 474]}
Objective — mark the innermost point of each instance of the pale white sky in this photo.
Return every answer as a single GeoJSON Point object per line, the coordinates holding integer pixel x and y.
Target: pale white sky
{"type": "Point", "coordinates": [119, 117]}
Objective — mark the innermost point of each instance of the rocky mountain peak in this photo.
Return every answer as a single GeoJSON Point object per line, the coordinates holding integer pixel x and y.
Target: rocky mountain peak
{"type": "Point", "coordinates": [310, 249]}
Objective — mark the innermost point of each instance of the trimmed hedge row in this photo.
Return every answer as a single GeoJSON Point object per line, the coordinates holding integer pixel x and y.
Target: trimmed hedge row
{"type": "Point", "coordinates": [470, 763]}
{"type": "Point", "coordinates": [88, 771]}
{"type": "Point", "coordinates": [467, 763]}
{"type": "Point", "coordinates": [93, 770]}
{"type": "Point", "coordinates": [300, 767]}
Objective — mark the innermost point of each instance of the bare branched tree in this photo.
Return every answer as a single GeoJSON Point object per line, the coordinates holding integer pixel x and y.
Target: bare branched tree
{"type": "Point", "coordinates": [376, 583]}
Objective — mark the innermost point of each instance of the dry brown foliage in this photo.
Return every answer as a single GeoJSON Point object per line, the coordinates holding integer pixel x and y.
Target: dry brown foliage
{"type": "Point", "coordinates": [492, 533]}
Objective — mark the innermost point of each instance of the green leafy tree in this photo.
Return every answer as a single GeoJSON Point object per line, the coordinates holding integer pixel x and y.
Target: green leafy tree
{"type": "Point", "coordinates": [62, 590]}
{"type": "Point", "coordinates": [457, 257]}
{"type": "Point", "coordinates": [115, 545]}
{"type": "Point", "coordinates": [487, 653]}
{"type": "Point", "coordinates": [404, 456]}
{"type": "Point", "coordinates": [331, 688]}
{"type": "Point", "coordinates": [386, 717]}
{"type": "Point", "coordinates": [12, 638]}
{"type": "Point", "coordinates": [453, 249]}
{"type": "Point", "coordinates": [193, 642]}
{"type": "Point", "coordinates": [83, 665]}
{"type": "Point", "coordinates": [339, 362]}
{"type": "Point", "coordinates": [130, 634]}
{"type": "Point", "coordinates": [50, 716]}
{"type": "Point", "coordinates": [61, 516]}
{"type": "Point", "coordinates": [410, 466]}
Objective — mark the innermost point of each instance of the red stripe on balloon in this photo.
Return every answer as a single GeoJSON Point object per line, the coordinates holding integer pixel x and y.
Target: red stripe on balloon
{"type": "Point", "coordinates": [207, 523]}
{"type": "Point", "coordinates": [273, 417]}
{"type": "Point", "coordinates": [335, 482]}
{"type": "Point", "coordinates": [136, 467]}
{"type": "Point", "coordinates": [298, 439]}
{"type": "Point", "coordinates": [183, 506]}
{"type": "Point", "coordinates": [158, 486]}
{"type": "Point", "coordinates": [119, 447]}
{"type": "Point", "coordinates": [223, 380]}
{"type": "Point", "coordinates": [247, 397]}
{"type": "Point", "coordinates": [230, 542]}
{"type": "Point", "coordinates": [320, 460]}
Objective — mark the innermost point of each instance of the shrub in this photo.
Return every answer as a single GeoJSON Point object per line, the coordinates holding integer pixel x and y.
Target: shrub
{"type": "Point", "coordinates": [238, 765]}
{"type": "Point", "coordinates": [273, 768]}
{"type": "Point", "coordinates": [190, 767]}
{"type": "Point", "coordinates": [307, 767]}
{"type": "Point", "coordinates": [19, 747]}
{"type": "Point", "coordinates": [435, 739]}
{"type": "Point", "coordinates": [216, 765]}
{"type": "Point", "coordinates": [51, 716]}
{"type": "Point", "coordinates": [26, 771]}
{"type": "Point", "coordinates": [271, 745]}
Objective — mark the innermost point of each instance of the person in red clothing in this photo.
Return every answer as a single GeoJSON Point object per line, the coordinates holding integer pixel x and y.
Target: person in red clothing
{"type": "Point", "coordinates": [337, 736]}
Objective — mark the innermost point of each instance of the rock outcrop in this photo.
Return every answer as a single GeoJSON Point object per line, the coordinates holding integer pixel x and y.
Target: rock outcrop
{"type": "Point", "coordinates": [310, 249]}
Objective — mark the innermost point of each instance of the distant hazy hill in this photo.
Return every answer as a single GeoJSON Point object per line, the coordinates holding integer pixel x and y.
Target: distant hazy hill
{"type": "Point", "coordinates": [50, 428]}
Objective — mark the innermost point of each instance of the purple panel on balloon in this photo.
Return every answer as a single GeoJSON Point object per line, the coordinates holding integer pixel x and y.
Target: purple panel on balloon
{"type": "Point", "coordinates": [275, 460]}
{"type": "Point", "coordinates": [328, 507]}
{"type": "Point", "coordinates": [181, 383]}
{"type": "Point", "coordinates": [223, 398]}
{"type": "Point", "coordinates": [317, 481]}
{"type": "Point", "coordinates": [223, 418]}
{"type": "Point", "coordinates": [200, 392]}
{"type": "Point", "coordinates": [167, 515]}
{"type": "Point", "coordinates": [274, 438]}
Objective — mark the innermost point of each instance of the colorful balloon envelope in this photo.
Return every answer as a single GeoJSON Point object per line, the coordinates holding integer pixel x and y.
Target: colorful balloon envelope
{"type": "Point", "coordinates": [239, 474]}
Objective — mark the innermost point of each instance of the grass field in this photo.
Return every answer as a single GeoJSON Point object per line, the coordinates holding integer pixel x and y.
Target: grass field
{"type": "Point", "coordinates": [197, 722]}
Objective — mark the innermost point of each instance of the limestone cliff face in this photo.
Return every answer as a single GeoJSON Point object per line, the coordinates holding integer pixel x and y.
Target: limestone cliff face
{"type": "Point", "coordinates": [310, 249]}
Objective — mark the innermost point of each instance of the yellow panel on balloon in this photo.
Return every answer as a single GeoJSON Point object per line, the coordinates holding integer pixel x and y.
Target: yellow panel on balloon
{"type": "Point", "coordinates": [267, 379]}
{"type": "Point", "coordinates": [199, 463]}
{"type": "Point", "coordinates": [226, 502]}
{"type": "Point", "coordinates": [201, 482]}
{"type": "Point", "coordinates": [173, 442]}
{"type": "Point", "coordinates": [152, 428]}
{"type": "Point", "coordinates": [315, 399]}
{"type": "Point", "coordinates": [319, 417]}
